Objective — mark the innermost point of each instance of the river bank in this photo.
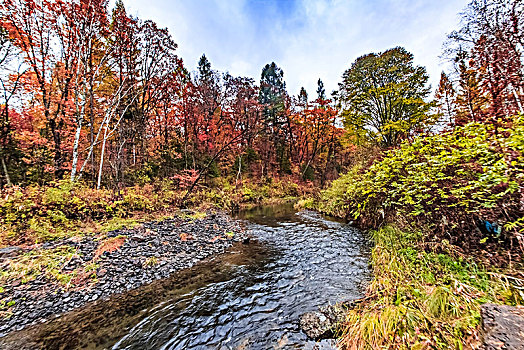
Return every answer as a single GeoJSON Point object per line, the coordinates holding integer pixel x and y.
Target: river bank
{"type": "Point", "coordinates": [446, 217]}
{"type": "Point", "coordinates": [56, 277]}
{"type": "Point", "coordinates": [249, 297]}
{"type": "Point", "coordinates": [428, 296]}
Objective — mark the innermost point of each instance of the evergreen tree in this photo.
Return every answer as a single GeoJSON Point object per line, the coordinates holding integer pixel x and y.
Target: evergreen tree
{"type": "Point", "coordinates": [303, 98]}
{"type": "Point", "coordinates": [321, 92]}
{"type": "Point", "coordinates": [204, 69]}
{"type": "Point", "coordinates": [272, 97]}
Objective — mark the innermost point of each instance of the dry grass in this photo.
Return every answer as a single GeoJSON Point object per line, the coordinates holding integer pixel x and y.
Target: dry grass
{"type": "Point", "coordinates": [421, 300]}
{"type": "Point", "coordinates": [49, 262]}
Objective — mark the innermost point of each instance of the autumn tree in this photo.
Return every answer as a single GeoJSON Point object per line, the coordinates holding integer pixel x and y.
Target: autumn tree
{"type": "Point", "coordinates": [445, 97]}
{"type": "Point", "coordinates": [243, 112]}
{"type": "Point", "coordinates": [314, 131]}
{"type": "Point", "coordinates": [11, 73]}
{"type": "Point", "coordinates": [383, 96]}
{"type": "Point", "coordinates": [157, 61]}
{"type": "Point", "coordinates": [208, 117]}
{"type": "Point", "coordinates": [471, 101]}
{"type": "Point", "coordinates": [487, 51]}
{"type": "Point", "coordinates": [83, 36]}
{"type": "Point", "coordinates": [32, 25]}
{"type": "Point", "coordinates": [165, 145]}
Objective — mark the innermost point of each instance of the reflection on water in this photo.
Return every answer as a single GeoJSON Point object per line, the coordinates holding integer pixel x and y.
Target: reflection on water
{"type": "Point", "coordinates": [250, 298]}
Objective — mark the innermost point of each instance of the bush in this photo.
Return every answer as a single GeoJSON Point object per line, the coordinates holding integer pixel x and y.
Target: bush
{"type": "Point", "coordinates": [452, 183]}
{"type": "Point", "coordinates": [38, 214]}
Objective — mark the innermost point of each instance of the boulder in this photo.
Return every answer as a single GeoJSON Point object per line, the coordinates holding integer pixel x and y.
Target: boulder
{"type": "Point", "coordinates": [321, 324]}
{"type": "Point", "coordinates": [502, 327]}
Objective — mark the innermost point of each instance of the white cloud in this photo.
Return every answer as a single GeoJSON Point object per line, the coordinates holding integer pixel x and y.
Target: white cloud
{"type": "Point", "coordinates": [309, 39]}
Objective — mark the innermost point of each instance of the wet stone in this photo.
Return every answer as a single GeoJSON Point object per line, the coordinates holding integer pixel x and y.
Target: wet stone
{"type": "Point", "coordinates": [118, 271]}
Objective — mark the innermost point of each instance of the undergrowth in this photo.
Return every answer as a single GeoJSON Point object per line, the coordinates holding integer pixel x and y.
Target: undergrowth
{"type": "Point", "coordinates": [63, 209]}
{"type": "Point", "coordinates": [225, 193]}
{"type": "Point", "coordinates": [454, 183]}
{"type": "Point", "coordinates": [422, 298]}
{"type": "Point", "coordinates": [37, 214]}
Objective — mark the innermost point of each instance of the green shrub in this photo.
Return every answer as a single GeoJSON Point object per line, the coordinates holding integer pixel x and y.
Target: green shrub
{"type": "Point", "coordinates": [446, 182]}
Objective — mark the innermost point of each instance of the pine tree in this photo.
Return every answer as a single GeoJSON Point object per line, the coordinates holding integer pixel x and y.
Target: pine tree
{"type": "Point", "coordinates": [276, 122]}
{"type": "Point", "coordinates": [321, 92]}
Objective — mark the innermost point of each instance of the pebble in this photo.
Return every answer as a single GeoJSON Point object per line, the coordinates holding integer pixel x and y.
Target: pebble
{"type": "Point", "coordinates": [157, 243]}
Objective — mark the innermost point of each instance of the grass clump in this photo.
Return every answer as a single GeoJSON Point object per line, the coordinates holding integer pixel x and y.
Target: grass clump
{"type": "Point", "coordinates": [422, 297]}
{"type": "Point", "coordinates": [151, 261]}
{"type": "Point", "coordinates": [49, 262]}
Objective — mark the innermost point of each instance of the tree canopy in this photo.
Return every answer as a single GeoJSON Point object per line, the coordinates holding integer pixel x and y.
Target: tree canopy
{"type": "Point", "coordinates": [383, 94]}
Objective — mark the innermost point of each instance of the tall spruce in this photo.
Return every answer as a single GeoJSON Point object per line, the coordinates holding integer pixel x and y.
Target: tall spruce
{"type": "Point", "coordinates": [272, 96]}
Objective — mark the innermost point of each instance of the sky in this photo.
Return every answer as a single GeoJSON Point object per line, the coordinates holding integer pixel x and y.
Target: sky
{"type": "Point", "coordinates": [308, 39]}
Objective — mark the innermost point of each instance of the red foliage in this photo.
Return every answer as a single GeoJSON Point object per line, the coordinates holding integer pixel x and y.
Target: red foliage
{"type": "Point", "coordinates": [105, 95]}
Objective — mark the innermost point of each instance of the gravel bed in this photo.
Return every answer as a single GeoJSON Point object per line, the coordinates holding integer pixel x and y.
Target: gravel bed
{"type": "Point", "coordinates": [152, 251]}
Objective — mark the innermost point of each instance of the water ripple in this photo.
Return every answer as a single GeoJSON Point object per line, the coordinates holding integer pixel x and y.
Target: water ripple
{"type": "Point", "coordinates": [250, 298]}
{"type": "Point", "coordinates": [312, 261]}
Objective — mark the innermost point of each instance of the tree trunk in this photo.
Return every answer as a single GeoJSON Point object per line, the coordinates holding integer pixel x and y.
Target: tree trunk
{"type": "Point", "coordinates": [102, 158]}
{"type": "Point", "coordinates": [75, 149]}
{"type": "Point", "coordinates": [239, 170]}
{"type": "Point", "coordinates": [7, 178]}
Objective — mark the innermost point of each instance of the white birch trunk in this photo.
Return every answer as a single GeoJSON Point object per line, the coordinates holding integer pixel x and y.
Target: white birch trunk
{"type": "Point", "coordinates": [75, 150]}
{"type": "Point", "coordinates": [102, 158]}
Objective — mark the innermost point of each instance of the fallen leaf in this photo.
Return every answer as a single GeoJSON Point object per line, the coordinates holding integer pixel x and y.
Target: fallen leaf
{"type": "Point", "coordinates": [185, 237]}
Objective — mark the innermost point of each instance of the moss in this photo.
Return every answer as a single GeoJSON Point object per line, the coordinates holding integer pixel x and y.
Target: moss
{"type": "Point", "coordinates": [152, 261]}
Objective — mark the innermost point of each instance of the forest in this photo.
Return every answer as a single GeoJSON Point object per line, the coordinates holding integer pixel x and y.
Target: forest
{"type": "Point", "coordinates": [103, 126]}
{"type": "Point", "coordinates": [97, 99]}
{"type": "Point", "coordinates": [103, 97]}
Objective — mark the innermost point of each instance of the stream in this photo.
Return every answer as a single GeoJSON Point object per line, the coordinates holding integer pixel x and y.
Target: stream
{"type": "Point", "coordinates": [249, 298]}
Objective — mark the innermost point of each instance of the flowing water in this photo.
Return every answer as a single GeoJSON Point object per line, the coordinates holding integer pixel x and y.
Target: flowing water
{"type": "Point", "coordinates": [249, 298]}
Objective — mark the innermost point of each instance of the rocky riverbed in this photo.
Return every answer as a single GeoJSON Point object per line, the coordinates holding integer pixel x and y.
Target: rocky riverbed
{"type": "Point", "coordinates": [120, 261]}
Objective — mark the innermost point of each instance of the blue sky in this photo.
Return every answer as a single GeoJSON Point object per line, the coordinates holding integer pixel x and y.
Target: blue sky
{"type": "Point", "coordinates": [308, 39]}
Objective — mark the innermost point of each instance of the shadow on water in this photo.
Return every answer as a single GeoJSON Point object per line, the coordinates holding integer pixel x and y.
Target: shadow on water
{"type": "Point", "coordinates": [248, 298]}
{"type": "Point", "coordinates": [101, 324]}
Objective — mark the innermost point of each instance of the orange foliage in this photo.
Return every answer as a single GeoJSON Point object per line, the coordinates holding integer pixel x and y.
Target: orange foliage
{"type": "Point", "coordinates": [109, 245]}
